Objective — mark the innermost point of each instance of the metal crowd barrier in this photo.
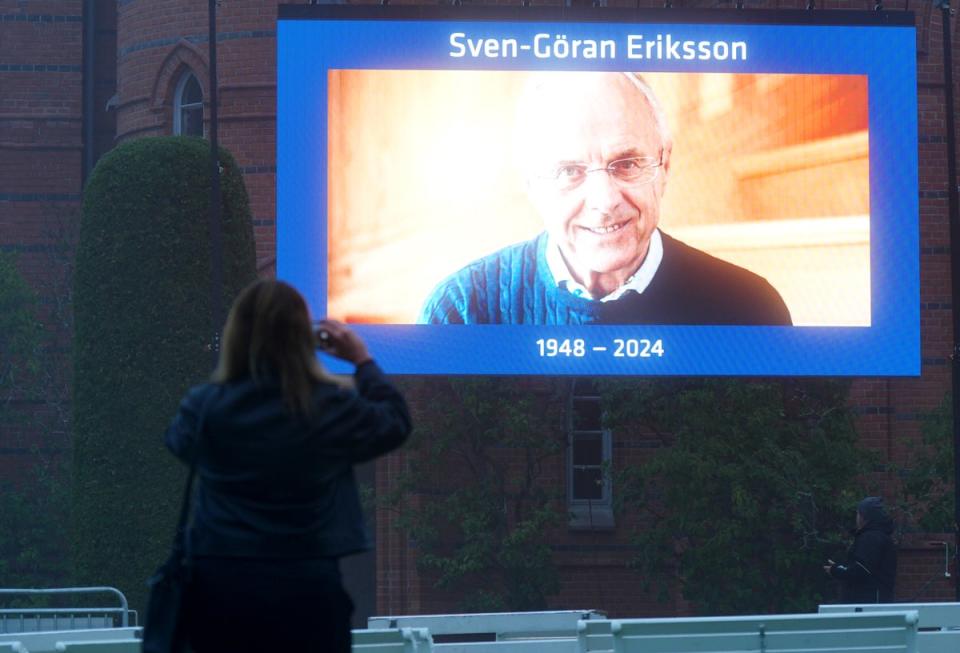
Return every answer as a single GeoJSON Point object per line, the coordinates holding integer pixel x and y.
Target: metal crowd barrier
{"type": "Point", "coordinates": [26, 620]}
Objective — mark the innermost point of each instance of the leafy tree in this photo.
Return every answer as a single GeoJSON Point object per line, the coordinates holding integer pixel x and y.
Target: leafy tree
{"type": "Point", "coordinates": [55, 285]}
{"type": "Point", "coordinates": [32, 505]}
{"type": "Point", "coordinates": [928, 480]}
{"type": "Point", "coordinates": [754, 490]}
{"type": "Point", "coordinates": [20, 333]}
{"type": "Point", "coordinates": [475, 496]}
{"type": "Point", "coordinates": [31, 541]}
{"type": "Point", "coordinates": [142, 336]}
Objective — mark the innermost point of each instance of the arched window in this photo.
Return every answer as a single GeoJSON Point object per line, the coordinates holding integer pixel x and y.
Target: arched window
{"type": "Point", "coordinates": [188, 107]}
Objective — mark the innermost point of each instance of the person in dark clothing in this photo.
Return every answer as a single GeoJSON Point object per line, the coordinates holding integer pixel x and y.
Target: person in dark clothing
{"type": "Point", "coordinates": [276, 438]}
{"type": "Point", "coordinates": [869, 572]}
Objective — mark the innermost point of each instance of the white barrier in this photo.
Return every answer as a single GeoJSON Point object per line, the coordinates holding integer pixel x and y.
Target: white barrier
{"type": "Point", "coordinates": [101, 646]}
{"type": "Point", "coordinates": [503, 625]}
{"type": "Point", "coordinates": [391, 640]}
{"type": "Point", "coordinates": [46, 642]}
{"type": "Point", "coordinates": [932, 615]}
{"type": "Point", "coordinates": [882, 632]}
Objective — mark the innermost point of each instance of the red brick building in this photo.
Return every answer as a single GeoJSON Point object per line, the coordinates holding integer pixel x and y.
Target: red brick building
{"type": "Point", "coordinates": [77, 77]}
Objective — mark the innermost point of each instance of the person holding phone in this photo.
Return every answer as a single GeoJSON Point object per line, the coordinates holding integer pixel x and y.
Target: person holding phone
{"type": "Point", "coordinates": [869, 572]}
{"type": "Point", "coordinates": [275, 439]}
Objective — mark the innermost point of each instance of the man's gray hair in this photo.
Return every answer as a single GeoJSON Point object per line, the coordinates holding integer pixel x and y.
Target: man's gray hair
{"type": "Point", "coordinates": [527, 107]}
{"type": "Point", "coordinates": [662, 126]}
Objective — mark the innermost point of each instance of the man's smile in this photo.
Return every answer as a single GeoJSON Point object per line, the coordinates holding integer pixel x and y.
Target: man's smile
{"type": "Point", "coordinates": [603, 230]}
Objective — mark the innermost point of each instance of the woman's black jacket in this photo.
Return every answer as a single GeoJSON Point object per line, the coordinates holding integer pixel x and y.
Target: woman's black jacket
{"type": "Point", "coordinates": [275, 485]}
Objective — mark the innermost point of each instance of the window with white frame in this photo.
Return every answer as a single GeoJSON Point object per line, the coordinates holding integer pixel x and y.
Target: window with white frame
{"type": "Point", "coordinates": [188, 107]}
{"type": "Point", "coordinates": [589, 449]}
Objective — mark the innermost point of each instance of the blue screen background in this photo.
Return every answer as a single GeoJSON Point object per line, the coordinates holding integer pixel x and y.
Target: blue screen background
{"type": "Point", "coordinates": [307, 49]}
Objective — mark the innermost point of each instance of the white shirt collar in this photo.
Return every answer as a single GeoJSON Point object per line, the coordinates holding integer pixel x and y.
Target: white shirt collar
{"type": "Point", "coordinates": [638, 282]}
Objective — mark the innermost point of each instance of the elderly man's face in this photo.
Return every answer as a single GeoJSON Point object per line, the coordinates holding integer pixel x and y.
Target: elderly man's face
{"type": "Point", "coordinates": [602, 224]}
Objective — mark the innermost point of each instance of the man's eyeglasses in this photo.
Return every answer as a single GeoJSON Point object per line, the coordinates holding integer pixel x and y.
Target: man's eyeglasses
{"type": "Point", "coordinates": [632, 171]}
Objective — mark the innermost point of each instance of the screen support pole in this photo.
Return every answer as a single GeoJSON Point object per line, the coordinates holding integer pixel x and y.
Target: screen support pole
{"type": "Point", "coordinates": [954, 219]}
{"type": "Point", "coordinates": [216, 227]}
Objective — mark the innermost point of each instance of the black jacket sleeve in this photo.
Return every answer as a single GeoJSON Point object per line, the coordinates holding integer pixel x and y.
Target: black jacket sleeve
{"type": "Point", "coordinates": [377, 420]}
{"type": "Point", "coordinates": [181, 435]}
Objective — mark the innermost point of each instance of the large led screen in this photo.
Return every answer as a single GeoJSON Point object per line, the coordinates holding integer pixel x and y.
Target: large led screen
{"type": "Point", "coordinates": [490, 191]}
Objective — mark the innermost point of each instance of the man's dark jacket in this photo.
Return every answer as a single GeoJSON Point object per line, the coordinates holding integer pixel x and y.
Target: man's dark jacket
{"type": "Point", "coordinates": [515, 286]}
{"type": "Point", "coordinates": [275, 485]}
{"type": "Point", "coordinates": [869, 572]}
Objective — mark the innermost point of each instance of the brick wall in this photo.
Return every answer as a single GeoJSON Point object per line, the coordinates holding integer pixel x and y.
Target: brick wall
{"type": "Point", "coordinates": [889, 411]}
{"type": "Point", "coordinates": [157, 40]}
{"type": "Point", "coordinates": [41, 143]}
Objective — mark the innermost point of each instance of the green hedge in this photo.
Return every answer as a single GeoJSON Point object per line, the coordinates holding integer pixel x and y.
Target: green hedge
{"type": "Point", "coordinates": [142, 328]}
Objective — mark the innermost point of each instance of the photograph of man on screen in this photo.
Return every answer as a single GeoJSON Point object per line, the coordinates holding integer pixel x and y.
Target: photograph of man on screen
{"type": "Point", "coordinates": [596, 151]}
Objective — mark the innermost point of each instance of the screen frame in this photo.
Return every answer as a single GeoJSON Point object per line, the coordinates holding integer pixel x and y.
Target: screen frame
{"type": "Point", "coordinates": [540, 13]}
{"type": "Point", "coordinates": [889, 347]}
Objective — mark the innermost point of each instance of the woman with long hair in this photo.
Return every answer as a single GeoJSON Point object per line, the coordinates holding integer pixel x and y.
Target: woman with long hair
{"type": "Point", "coordinates": [275, 438]}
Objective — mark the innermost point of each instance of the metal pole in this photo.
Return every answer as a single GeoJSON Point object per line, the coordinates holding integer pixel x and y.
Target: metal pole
{"type": "Point", "coordinates": [952, 201]}
{"type": "Point", "coordinates": [216, 226]}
